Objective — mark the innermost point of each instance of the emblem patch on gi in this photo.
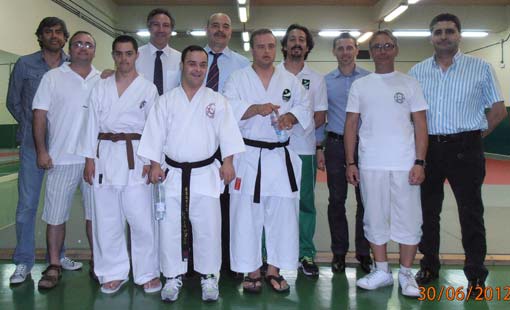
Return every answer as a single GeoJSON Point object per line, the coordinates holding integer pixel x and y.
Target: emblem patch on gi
{"type": "Point", "coordinates": [286, 94]}
{"type": "Point", "coordinates": [210, 109]}
{"type": "Point", "coordinates": [399, 97]}
{"type": "Point", "coordinates": [306, 83]}
{"type": "Point", "coordinates": [142, 104]}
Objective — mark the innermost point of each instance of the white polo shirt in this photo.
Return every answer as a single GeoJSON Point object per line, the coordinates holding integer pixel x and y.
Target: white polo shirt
{"type": "Point", "coordinates": [170, 59]}
{"type": "Point", "coordinates": [385, 103]}
{"type": "Point", "coordinates": [63, 93]}
{"type": "Point", "coordinates": [301, 141]}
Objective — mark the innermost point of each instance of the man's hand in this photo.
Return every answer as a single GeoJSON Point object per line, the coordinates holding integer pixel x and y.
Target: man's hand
{"type": "Point", "coordinates": [145, 171]}
{"type": "Point", "coordinates": [352, 174]}
{"type": "Point", "coordinates": [107, 73]}
{"type": "Point", "coordinates": [156, 173]}
{"type": "Point", "coordinates": [227, 172]}
{"type": "Point", "coordinates": [267, 108]}
{"type": "Point", "coordinates": [286, 121]}
{"type": "Point", "coordinates": [44, 161]}
{"type": "Point", "coordinates": [321, 160]}
{"type": "Point", "coordinates": [416, 175]}
{"type": "Point", "coordinates": [89, 171]}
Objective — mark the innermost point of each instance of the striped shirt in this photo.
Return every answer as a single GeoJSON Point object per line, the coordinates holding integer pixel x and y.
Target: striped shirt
{"type": "Point", "coordinates": [457, 97]}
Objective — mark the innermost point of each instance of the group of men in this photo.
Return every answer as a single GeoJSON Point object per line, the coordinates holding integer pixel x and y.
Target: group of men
{"type": "Point", "coordinates": [237, 147]}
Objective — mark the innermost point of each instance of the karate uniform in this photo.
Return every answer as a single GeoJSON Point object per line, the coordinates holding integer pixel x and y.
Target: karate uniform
{"type": "Point", "coordinates": [278, 209]}
{"type": "Point", "coordinates": [191, 131]}
{"type": "Point", "coordinates": [120, 193]}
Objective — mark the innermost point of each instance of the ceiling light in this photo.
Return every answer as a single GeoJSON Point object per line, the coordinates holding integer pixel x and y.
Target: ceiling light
{"type": "Point", "coordinates": [411, 33]}
{"type": "Point", "coordinates": [329, 33]}
{"type": "Point", "coordinates": [278, 32]}
{"type": "Point", "coordinates": [412, 1]}
{"type": "Point", "coordinates": [246, 36]}
{"type": "Point", "coordinates": [197, 33]}
{"type": "Point", "coordinates": [246, 46]}
{"type": "Point", "coordinates": [395, 13]}
{"type": "Point", "coordinates": [243, 14]}
{"type": "Point", "coordinates": [355, 33]}
{"type": "Point", "coordinates": [365, 37]}
{"type": "Point", "coordinates": [474, 34]}
{"type": "Point", "coordinates": [143, 33]}
{"type": "Point", "coordinates": [241, 2]}
{"type": "Point", "coordinates": [174, 33]}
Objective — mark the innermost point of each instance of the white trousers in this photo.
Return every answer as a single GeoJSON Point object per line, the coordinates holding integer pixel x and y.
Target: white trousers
{"type": "Point", "coordinates": [392, 207]}
{"type": "Point", "coordinates": [205, 218]}
{"type": "Point", "coordinates": [113, 207]}
{"type": "Point", "coordinates": [279, 217]}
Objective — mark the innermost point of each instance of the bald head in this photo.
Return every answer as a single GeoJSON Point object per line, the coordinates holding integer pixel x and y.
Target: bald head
{"type": "Point", "coordinates": [219, 31]}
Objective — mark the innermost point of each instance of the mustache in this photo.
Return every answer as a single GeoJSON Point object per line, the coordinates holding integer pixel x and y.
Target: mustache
{"type": "Point", "coordinates": [220, 34]}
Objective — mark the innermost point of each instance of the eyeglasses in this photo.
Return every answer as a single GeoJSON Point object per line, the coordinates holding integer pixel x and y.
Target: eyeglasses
{"type": "Point", "coordinates": [380, 47]}
{"type": "Point", "coordinates": [80, 44]}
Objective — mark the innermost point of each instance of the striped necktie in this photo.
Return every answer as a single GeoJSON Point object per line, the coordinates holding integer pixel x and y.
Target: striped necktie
{"type": "Point", "coordinates": [213, 77]}
{"type": "Point", "coordinates": [158, 73]}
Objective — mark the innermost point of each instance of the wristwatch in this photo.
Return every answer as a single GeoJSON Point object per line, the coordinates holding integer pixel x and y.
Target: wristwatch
{"type": "Point", "coordinates": [419, 162]}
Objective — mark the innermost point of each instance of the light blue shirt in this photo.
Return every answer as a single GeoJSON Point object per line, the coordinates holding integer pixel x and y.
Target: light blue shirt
{"type": "Point", "coordinates": [338, 86]}
{"type": "Point", "coordinates": [228, 62]}
{"type": "Point", "coordinates": [457, 97]}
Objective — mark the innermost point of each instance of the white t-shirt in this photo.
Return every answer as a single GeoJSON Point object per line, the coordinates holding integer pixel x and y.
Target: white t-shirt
{"type": "Point", "coordinates": [301, 141]}
{"type": "Point", "coordinates": [170, 60]}
{"type": "Point", "coordinates": [63, 93]}
{"type": "Point", "coordinates": [385, 103]}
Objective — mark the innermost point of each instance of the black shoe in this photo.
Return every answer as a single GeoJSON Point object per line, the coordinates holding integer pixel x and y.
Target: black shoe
{"type": "Point", "coordinates": [365, 262]}
{"type": "Point", "coordinates": [308, 266]}
{"type": "Point", "coordinates": [338, 263]}
{"type": "Point", "coordinates": [236, 275]}
{"type": "Point", "coordinates": [425, 276]}
{"type": "Point", "coordinates": [475, 288]}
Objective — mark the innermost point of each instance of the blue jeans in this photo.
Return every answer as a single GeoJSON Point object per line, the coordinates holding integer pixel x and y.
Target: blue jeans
{"type": "Point", "coordinates": [29, 188]}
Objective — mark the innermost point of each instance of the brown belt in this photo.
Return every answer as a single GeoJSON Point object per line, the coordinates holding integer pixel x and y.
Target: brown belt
{"type": "Point", "coordinates": [128, 137]}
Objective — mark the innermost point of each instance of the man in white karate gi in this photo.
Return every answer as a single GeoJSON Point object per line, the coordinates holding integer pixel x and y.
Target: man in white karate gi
{"type": "Point", "coordinates": [265, 194]}
{"type": "Point", "coordinates": [116, 112]}
{"type": "Point", "coordinates": [62, 93]}
{"type": "Point", "coordinates": [187, 126]}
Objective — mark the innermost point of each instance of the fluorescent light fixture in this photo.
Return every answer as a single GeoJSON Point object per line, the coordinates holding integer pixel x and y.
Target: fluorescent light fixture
{"type": "Point", "coordinates": [474, 34]}
{"type": "Point", "coordinates": [246, 36]}
{"type": "Point", "coordinates": [355, 33]}
{"type": "Point", "coordinates": [246, 46]}
{"type": "Point", "coordinates": [411, 33]}
{"type": "Point", "coordinates": [412, 1]}
{"type": "Point", "coordinates": [197, 33]}
{"type": "Point", "coordinates": [278, 32]}
{"type": "Point", "coordinates": [329, 33]}
{"type": "Point", "coordinates": [365, 37]}
{"type": "Point", "coordinates": [143, 33]}
{"type": "Point", "coordinates": [174, 33]}
{"type": "Point", "coordinates": [243, 14]}
{"type": "Point", "coordinates": [396, 13]}
{"type": "Point", "coordinates": [241, 2]}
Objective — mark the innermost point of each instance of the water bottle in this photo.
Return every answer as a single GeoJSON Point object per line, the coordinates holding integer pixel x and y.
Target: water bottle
{"type": "Point", "coordinates": [158, 197]}
{"type": "Point", "coordinates": [281, 134]}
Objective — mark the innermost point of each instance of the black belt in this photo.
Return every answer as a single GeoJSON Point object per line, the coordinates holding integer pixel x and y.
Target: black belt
{"type": "Point", "coordinates": [456, 137]}
{"type": "Point", "coordinates": [288, 162]}
{"type": "Point", "coordinates": [335, 136]}
{"type": "Point", "coordinates": [185, 197]}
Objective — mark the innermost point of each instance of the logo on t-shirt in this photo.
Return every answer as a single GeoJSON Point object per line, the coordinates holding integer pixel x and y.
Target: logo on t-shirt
{"type": "Point", "coordinates": [399, 97]}
{"type": "Point", "coordinates": [286, 94]}
{"type": "Point", "coordinates": [210, 109]}
{"type": "Point", "coordinates": [306, 83]}
{"type": "Point", "coordinates": [142, 104]}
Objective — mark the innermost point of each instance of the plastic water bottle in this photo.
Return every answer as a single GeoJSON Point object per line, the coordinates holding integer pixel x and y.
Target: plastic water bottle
{"type": "Point", "coordinates": [158, 197]}
{"type": "Point", "coordinates": [281, 134]}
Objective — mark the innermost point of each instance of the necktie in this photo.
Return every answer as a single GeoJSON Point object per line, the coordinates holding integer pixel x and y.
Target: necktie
{"type": "Point", "coordinates": [158, 73]}
{"type": "Point", "coordinates": [213, 77]}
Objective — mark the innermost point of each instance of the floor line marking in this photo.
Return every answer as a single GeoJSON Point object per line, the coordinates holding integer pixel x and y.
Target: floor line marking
{"type": "Point", "coordinates": [9, 177]}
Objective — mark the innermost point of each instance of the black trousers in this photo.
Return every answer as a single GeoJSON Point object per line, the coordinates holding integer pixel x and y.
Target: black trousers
{"type": "Point", "coordinates": [337, 184]}
{"type": "Point", "coordinates": [462, 163]}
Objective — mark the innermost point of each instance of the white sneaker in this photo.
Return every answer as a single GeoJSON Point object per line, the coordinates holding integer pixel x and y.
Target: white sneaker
{"type": "Point", "coordinates": [20, 274]}
{"type": "Point", "coordinates": [69, 264]}
{"type": "Point", "coordinates": [375, 279]}
{"type": "Point", "coordinates": [210, 290]}
{"type": "Point", "coordinates": [170, 291]}
{"type": "Point", "coordinates": [408, 284]}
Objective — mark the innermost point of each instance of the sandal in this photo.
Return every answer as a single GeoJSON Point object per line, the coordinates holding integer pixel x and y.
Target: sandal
{"type": "Point", "coordinates": [152, 286]}
{"type": "Point", "coordinates": [50, 277]}
{"type": "Point", "coordinates": [115, 289]}
{"type": "Point", "coordinates": [252, 285]}
{"type": "Point", "coordinates": [278, 279]}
